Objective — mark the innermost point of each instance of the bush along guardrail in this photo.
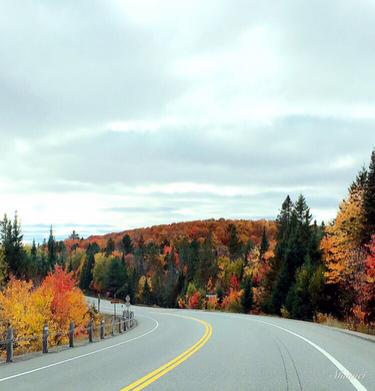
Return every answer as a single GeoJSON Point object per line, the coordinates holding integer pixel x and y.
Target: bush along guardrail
{"type": "Point", "coordinates": [116, 327]}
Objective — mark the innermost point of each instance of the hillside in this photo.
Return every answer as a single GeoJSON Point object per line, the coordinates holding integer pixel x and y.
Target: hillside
{"type": "Point", "coordinates": [199, 230]}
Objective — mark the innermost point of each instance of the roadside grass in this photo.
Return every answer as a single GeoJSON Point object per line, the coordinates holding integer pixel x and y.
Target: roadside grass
{"type": "Point", "coordinates": [329, 320]}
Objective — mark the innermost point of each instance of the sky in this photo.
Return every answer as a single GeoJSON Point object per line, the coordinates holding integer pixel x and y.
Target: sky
{"type": "Point", "coordinates": [123, 114]}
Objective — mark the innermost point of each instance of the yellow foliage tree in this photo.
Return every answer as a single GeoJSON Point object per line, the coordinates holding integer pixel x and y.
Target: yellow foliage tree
{"type": "Point", "coordinates": [26, 311]}
{"type": "Point", "coordinates": [342, 236]}
{"type": "Point", "coordinates": [56, 302]}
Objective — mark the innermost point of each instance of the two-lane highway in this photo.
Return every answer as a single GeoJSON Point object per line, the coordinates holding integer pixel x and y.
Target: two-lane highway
{"type": "Point", "coordinates": [194, 350]}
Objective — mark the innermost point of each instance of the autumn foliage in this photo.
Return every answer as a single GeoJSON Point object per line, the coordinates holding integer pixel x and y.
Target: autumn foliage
{"type": "Point", "coordinates": [191, 230]}
{"type": "Point", "coordinates": [56, 302]}
{"type": "Point", "coordinates": [348, 256]}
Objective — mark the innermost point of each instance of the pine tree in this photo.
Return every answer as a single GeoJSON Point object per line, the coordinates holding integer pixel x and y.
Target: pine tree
{"type": "Point", "coordinates": [171, 281]}
{"type": "Point", "coordinates": [192, 260]}
{"type": "Point", "coordinates": [146, 293]}
{"type": "Point", "coordinates": [32, 262]}
{"type": "Point", "coordinates": [297, 245]}
{"type": "Point", "coordinates": [115, 275]}
{"type": "Point", "coordinates": [206, 263]}
{"type": "Point", "coordinates": [87, 271]}
{"type": "Point", "coordinates": [127, 244]}
{"type": "Point", "coordinates": [234, 244]}
{"type": "Point", "coordinates": [264, 244]}
{"type": "Point", "coordinates": [249, 246]}
{"type": "Point", "coordinates": [133, 283]}
{"type": "Point", "coordinates": [247, 298]}
{"type": "Point", "coordinates": [33, 251]}
{"type": "Point", "coordinates": [11, 240]}
{"type": "Point", "coordinates": [283, 227]}
{"type": "Point", "coordinates": [298, 300]}
{"type": "Point", "coordinates": [52, 250]}
{"type": "Point", "coordinates": [3, 268]}
{"type": "Point", "coordinates": [43, 260]}
{"type": "Point", "coordinates": [74, 235]}
{"type": "Point", "coordinates": [110, 247]}
{"type": "Point", "coordinates": [277, 278]}
{"type": "Point", "coordinates": [369, 202]}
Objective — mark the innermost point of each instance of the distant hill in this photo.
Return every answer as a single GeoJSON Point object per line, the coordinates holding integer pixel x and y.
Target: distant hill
{"type": "Point", "coordinates": [198, 230]}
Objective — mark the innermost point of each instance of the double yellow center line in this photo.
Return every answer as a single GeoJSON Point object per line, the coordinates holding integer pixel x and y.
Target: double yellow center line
{"type": "Point", "coordinates": [145, 381]}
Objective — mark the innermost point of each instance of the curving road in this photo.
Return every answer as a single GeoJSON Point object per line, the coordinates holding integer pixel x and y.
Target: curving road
{"type": "Point", "coordinates": [194, 350]}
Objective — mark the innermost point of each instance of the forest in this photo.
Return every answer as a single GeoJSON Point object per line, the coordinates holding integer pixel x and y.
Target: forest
{"type": "Point", "coordinates": [291, 267]}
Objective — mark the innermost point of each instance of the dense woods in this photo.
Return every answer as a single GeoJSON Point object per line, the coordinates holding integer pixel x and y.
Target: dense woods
{"type": "Point", "coordinates": [292, 267]}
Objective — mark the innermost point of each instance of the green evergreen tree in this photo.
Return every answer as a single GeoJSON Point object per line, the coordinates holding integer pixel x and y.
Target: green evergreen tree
{"type": "Point", "coordinates": [52, 250]}
{"type": "Point", "coordinates": [192, 260]}
{"type": "Point", "coordinates": [369, 202]}
{"type": "Point", "coordinates": [247, 298]}
{"type": "Point", "coordinates": [146, 294]}
{"type": "Point", "coordinates": [127, 245]}
{"type": "Point", "coordinates": [249, 246]}
{"type": "Point", "coordinates": [206, 266]}
{"type": "Point", "coordinates": [11, 240]}
{"type": "Point", "coordinates": [234, 244]}
{"type": "Point", "coordinates": [43, 261]}
{"type": "Point", "coordinates": [32, 263]}
{"type": "Point", "coordinates": [298, 248]}
{"type": "Point", "coordinates": [33, 251]}
{"type": "Point", "coordinates": [62, 253]}
{"type": "Point", "coordinates": [116, 274]}
{"type": "Point", "coordinates": [171, 282]}
{"type": "Point", "coordinates": [110, 247]}
{"type": "Point", "coordinates": [93, 248]}
{"type": "Point", "coordinates": [264, 244]}
{"type": "Point", "coordinates": [3, 268]}
{"type": "Point", "coordinates": [133, 283]}
{"type": "Point", "coordinates": [298, 300]}
{"type": "Point", "coordinates": [74, 235]}
{"type": "Point", "coordinates": [87, 271]}
{"type": "Point", "coordinates": [219, 294]}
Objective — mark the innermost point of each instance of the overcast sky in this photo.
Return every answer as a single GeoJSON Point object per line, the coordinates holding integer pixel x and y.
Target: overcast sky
{"type": "Point", "coordinates": [120, 114]}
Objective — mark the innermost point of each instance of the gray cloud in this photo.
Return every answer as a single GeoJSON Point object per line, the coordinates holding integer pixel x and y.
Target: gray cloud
{"type": "Point", "coordinates": [265, 98]}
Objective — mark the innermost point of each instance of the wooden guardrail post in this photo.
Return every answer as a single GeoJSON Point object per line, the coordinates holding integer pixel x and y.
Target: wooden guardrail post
{"type": "Point", "coordinates": [45, 338]}
{"type": "Point", "coordinates": [102, 329]}
{"type": "Point", "coordinates": [10, 344]}
{"type": "Point", "coordinates": [90, 330]}
{"type": "Point", "coordinates": [120, 325]}
{"type": "Point", "coordinates": [71, 335]}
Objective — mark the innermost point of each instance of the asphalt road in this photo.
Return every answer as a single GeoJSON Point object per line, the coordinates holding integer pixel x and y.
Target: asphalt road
{"type": "Point", "coordinates": [193, 350]}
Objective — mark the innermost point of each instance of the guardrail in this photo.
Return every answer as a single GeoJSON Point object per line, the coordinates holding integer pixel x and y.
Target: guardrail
{"type": "Point", "coordinates": [104, 329]}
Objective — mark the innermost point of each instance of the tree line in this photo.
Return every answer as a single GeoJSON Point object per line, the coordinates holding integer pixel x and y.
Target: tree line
{"type": "Point", "coordinates": [292, 267]}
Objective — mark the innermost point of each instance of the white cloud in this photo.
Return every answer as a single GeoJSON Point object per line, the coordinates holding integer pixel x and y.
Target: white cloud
{"type": "Point", "coordinates": [344, 162]}
{"type": "Point", "coordinates": [176, 110]}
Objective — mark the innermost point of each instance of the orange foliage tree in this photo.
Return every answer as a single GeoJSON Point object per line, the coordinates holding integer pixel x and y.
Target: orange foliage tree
{"type": "Point", "coordinates": [342, 236]}
{"type": "Point", "coordinates": [68, 303]}
{"type": "Point", "coordinates": [232, 302]}
{"type": "Point", "coordinates": [56, 302]}
{"type": "Point", "coordinates": [369, 289]}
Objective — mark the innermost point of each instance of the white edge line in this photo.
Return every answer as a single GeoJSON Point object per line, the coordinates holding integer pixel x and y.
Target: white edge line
{"type": "Point", "coordinates": [356, 383]}
{"type": "Point", "coordinates": [86, 354]}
